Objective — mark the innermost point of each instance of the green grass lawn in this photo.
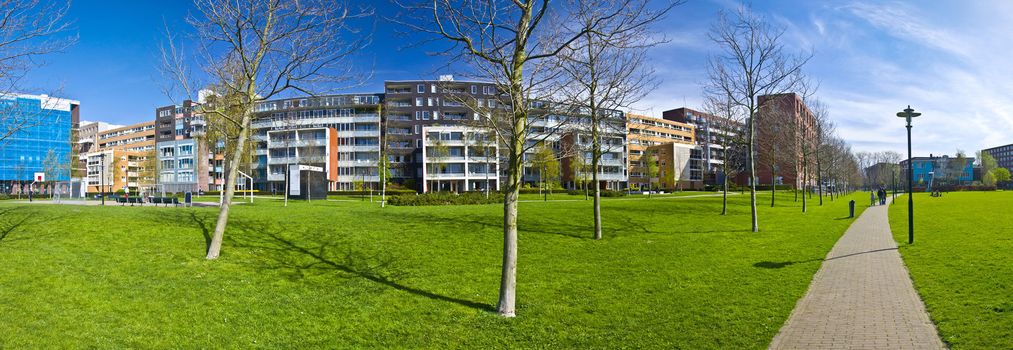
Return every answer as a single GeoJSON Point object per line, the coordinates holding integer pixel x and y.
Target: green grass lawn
{"type": "Point", "coordinates": [670, 273]}
{"type": "Point", "coordinates": [962, 264]}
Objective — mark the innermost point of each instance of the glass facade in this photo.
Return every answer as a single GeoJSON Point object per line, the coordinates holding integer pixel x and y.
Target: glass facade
{"type": "Point", "coordinates": [49, 122]}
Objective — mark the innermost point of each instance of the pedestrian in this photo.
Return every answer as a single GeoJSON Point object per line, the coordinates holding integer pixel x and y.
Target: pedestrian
{"type": "Point", "coordinates": [882, 196]}
{"type": "Point", "coordinates": [872, 198]}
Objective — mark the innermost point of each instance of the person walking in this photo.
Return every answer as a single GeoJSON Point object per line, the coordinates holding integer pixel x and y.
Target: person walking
{"type": "Point", "coordinates": [872, 198]}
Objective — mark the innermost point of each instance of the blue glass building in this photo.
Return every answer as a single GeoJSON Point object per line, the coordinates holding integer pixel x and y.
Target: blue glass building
{"type": "Point", "coordinates": [39, 123]}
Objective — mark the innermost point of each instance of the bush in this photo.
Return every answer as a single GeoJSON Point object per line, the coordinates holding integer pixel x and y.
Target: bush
{"type": "Point", "coordinates": [4, 196]}
{"type": "Point", "coordinates": [445, 198]}
{"type": "Point", "coordinates": [528, 190]}
{"type": "Point", "coordinates": [390, 192]}
{"type": "Point", "coordinates": [613, 193]}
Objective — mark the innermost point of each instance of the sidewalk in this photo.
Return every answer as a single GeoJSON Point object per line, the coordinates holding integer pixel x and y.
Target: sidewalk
{"type": "Point", "coordinates": [861, 298]}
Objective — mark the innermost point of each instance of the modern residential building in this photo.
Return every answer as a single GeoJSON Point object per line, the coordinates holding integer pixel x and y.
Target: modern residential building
{"type": "Point", "coordinates": [936, 170]}
{"type": "Point", "coordinates": [411, 105]}
{"type": "Point", "coordinates": [1003, 156]}
{"type": "Point", "coordinates": [785, 129]}
{"type": "Point", "coordinates": [711, 134]}
{"type": "Point", "coordinates": [184, 163]}
{"type": "Point", "coordinates": [645, 132]}
{"type": "Point", "coordinates": [680, 165]}
{"type": "Point", "coordinates": [123, 155]}
{"type": "Point", "coordinates": [340, 133]}
{"type": "Point", "coordinates": [87, 135]}
{"type": "Point", "coordinates": [42, 126]}
{"type": "Point", "coordinates": [459, 158]}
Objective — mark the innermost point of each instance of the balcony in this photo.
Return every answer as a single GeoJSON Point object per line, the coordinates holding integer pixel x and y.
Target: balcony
{"type": "Point", "coordinates": [356, 163]}
{"type": "Point", "coordinates": [359, 133]}
{"type": "Point", "coordinates": [275, 177]}
{"type": "Point", "coordinates": [359, 148]}
{"type": "Point", "coordinates": [282, 160]}
{"type": "Point", "coordinates": [363, 178]}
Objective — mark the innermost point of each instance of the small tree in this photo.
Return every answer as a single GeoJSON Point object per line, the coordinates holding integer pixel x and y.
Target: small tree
{"type": "Point", "coordinates": [437, 155]}
{"type": "Point", "coordinates": [1002, 176]}
{"type": "Point", "coordinates": [752, 63]}
{"type": "Point", "coordinates": [988, 166]}
{"type": "Point", "coordinates": [253, 51]}
{"type": "Point", "coordinates": [650, 160]}
{"type": "Point", "coordinates": [578, 171]}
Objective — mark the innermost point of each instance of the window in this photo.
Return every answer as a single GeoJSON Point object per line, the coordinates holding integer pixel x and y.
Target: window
{"type": "Point", "coordinates": [474, 90]}
{"type": "Point", "coordinates": [186, 163]}
{"type": "Point", "coordinates": [421, 88]}
{"type": "Point", "coordinates": [418, 129]}
{"type": "Point", "coordinates": [436, 115]}
{"type": "Point", "coordinates": [418, 115]}
{"type": "Point", "coordinates": [419, 101]}
{"type": "Point", "coordinates": [425, 115]}
{"type": "Point", "coordinates": [418, 143]}
{"type": "Point", "coordinates": [185, 150]}
{"type": "Point", "coordinates": [433, 88]}
{"type": "Point", "coordinates": [430, 102]}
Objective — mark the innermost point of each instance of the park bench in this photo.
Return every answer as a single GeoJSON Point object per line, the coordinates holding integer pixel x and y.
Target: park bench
{"type": "Point", "coordinates": [165, 200]}
{"type": "Point", "coordinates": [131, 200]}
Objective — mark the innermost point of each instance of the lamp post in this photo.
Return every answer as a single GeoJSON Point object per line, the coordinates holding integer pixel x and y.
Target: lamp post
{"type": "Point", "coordinates": [907, 114]}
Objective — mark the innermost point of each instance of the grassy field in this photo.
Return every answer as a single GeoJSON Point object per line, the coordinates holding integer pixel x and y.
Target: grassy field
{"type": "Point", "coordinates": [670, 273]}
{"type": "Point", "coordinates": [962, 264]}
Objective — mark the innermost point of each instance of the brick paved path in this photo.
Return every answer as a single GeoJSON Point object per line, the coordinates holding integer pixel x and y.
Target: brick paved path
{"type": "Point", "coordinates": [861, 298]}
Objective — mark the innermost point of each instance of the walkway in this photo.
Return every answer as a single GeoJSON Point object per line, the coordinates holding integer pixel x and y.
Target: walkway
{"type": "Point", "coordinates": [861, 298]}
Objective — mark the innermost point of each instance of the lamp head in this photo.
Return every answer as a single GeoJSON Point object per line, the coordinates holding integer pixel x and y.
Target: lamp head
{"type": "Point", "coordinates": [908, 113]}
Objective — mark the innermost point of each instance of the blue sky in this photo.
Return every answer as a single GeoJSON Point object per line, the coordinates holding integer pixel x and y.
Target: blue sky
{"type": "Point", "coordinates": [947, 59]}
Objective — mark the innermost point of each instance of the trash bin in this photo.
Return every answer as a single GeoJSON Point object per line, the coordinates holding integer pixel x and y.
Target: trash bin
{"type": "Point", "coordinates": [851, 208]}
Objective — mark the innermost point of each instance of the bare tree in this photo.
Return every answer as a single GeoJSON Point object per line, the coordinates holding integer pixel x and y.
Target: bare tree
{"type": "Point", "coordinates": [729, 119]}
{"type": "Point", "coordinates": [752, 63]}
{"type": "Point", "coordinates": [252, 51]}
{"type": "Point", "coordinates": [29, 31]}
{"type": "Point", "coordinates": [605, 72]}
{"type": "Point", "coordinates": [515, 44]}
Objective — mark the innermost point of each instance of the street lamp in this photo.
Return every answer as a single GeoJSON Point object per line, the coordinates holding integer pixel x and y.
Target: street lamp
{"type": "Point", "coordinates": [907, 114]}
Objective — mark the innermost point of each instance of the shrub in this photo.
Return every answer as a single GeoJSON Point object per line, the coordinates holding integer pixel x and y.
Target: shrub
{"type": "Point", "coordinates": [390, 192]}
{"type": "Point", "coordinates": [613, 193]}
{"type": "Point", "coordinates": [445, 198]}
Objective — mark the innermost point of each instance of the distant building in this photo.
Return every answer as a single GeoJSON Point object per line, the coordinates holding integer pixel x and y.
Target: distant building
{"type": "Point", "coordinates": [939, 170]}
{"type": "Point", "coordinates": [52, 121]}
{"type": "Point", "coordinates": [711, 133]}
{"type": "Point", "coordinates": [646, 132]}
{"type": "Point", "coordinates": [785, 128]}
{"type": "Point", "coordinates": [1003, 156]}
{"type": "Point", "coordinates": [883, 175]}
{"type": "Point", "coordinates": [184, 163]}
{"type": "Point", "coordinates": [459, 158]}
{"type": "Point", "coordinates": [680, 166]}
{"type": "Point", "coordinates": [340, 133]}
{"type": "Point", "coordinates": [119, 157]}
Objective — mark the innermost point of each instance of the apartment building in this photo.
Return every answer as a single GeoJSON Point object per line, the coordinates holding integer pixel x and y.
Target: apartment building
{"type": "Point", "coordinates": [185, 164]}
{"type": "Point", "coordinates": [711, 133]}
{"type": "Point", "coordinates": [340, 133]}
{"type": "Point", "coordinates": [680, 165]}
{"type": "Point", "coordinates": [121, 158]}
{"type": "Point", "coordinates": [1003, 156]}
{"type": "Point", "coordinates": [785, 129]}
{"type": "Point", "coordinates": [87, 134]}
{"type": "Point", "coordinates": [414, 104]}
{"type": "Point", "coordinates": [459, 158]}
{"type": "Point", "coordinates": [646, 132]}
{"type": "Point", "coordinates": [53, 120]}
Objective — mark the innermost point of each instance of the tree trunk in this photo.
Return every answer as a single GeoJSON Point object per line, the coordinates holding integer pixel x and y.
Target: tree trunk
{"type": "Point", "coordinates": [508, 281]}
{"type": "Point", "coordinates": [773, 187]}
{"type": "Point", "coordinates": [214, 249]}
{"type": "Point", "coordinates": [724, 196]}
{"type": "Point", "coordinates": [752, 173]}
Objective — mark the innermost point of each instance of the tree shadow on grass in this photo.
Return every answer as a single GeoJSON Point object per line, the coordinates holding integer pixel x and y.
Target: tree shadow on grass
{"type": "Point", "coordinates": [187, 217]}
{"type": "Point", "coordinates": [300, 251]}
{"type": "Point", "coordinates": [782, 264]}
{"type": "Point", "coordinates": [16, 219]}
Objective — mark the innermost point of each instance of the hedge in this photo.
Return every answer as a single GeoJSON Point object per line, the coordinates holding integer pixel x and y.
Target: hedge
{"type": "Point", "coordinates": [445, 198]}
{"type": "Point", "coordinates": [374, 192]}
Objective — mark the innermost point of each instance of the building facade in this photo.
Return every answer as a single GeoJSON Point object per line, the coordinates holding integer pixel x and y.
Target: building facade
{"type": "Point", "coordinates": [42, 126]}
{"type": "Point", "coordinates": [121, 158]}
{"type": "Point", "coordinates": [680, 166]}
{"type": "Point", "coordinates": [1003, 156]}
{"type": "Point", "coordinates": [458, 158]}
{"type": "Point", "coordinates": [411, 105]}
{"type": "Point", "coordinates": [711, 133]}
{"type": "Point", "coordinates": [340, 133]}
{"type": "Point", "coordinates": [185, 164]}
{"type": "Point", "coordinates": [936, 170]}
{"type": "Point", "coordinates": [786, 133]}
{"type": "Point", "coordinates": [646, 132]}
